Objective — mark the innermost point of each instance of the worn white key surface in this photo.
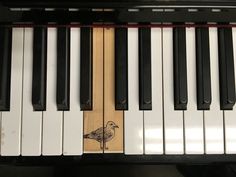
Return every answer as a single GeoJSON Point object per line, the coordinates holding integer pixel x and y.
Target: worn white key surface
{"type": "Point", "coordinates": [11, 121]}
{"type": "Point", "coordinates": [73, 119]}
{"type": "Point", "coordinates": [193, 118]}
{"type": "Point", "coordinates": [133, 118]}
{"type": "Point", "coordinates": [230, 116]}
{"type": "Point", "coordinates": [173, 119]}
{"type": "Point", "coordinates": [153, 120]}
{"type": "Point", "coordinates": [31, 120]}
{"type": "Point", "coordinates": [52, 119]}
{"type": "Point", "coordinates": [214, 135]}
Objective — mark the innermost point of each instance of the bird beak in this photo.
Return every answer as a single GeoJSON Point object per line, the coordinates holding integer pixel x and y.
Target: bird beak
{"type": "Point", "coordinates": [116, 126]}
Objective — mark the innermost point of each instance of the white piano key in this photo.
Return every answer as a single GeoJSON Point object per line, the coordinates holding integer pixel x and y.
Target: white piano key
{"type": "Point", "coordinates": [153, 120]}
{"type": "Point", "coordinates": [52, 119]}
{"type": "Point", "coordinates": [173, 119]}
{"type": "Point", "coordinates": [73, 119]}
{"type": "Point", "coordinates": [213, 119]}
{"type": "Point", "coordinates": [11, 121]}
{"type": "Point", "coordinates": [193, 118]}
{"type": "Point", "coordinates": [133, 120]}
{"type": "Point", "coordinates": [31, 120]}
{"type": "Point", "coordinates": [230, 116]}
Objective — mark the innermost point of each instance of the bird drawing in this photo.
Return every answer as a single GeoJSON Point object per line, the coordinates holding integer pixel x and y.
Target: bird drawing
{"type": "Point", "coordinates": [103, 134]}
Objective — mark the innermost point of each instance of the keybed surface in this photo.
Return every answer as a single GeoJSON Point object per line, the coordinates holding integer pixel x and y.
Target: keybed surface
{"type": "Point", "coordinates": [134, 91]}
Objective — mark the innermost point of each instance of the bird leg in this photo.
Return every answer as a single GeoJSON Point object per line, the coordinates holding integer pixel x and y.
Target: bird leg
{"type": "Point", "coordinates": [105, 146]}
{"type": "Point", "coordinates": [101, 145]}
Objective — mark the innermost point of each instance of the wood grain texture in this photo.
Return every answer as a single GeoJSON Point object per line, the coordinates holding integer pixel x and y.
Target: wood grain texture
{"type": "Point", "coordinates": [94, 119]}
{"type": "Point", "coordinates": [110, 114]}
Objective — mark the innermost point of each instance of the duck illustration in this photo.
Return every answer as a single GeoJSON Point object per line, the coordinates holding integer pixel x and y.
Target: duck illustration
{"type": "Point", "coordinates": [108, 132]}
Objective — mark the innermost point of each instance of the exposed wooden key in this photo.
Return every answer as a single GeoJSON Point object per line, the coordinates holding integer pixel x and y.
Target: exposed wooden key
{"type": "Point", "coordinates": [93, 120]}
{"type": "Point", "coordinates": [113, 120]}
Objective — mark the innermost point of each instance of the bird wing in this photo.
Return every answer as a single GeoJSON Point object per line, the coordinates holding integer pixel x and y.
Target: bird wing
{"type": "Point", "coordinates": [98, 131]}
{"type": "Point", "coordinates": [108, 135]}
{"type": "Point", "coordinates": [97, 134]}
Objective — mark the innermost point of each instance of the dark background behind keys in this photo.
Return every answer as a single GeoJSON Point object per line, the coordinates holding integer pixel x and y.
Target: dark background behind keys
{"type": "Point", "coordinates": [228, 170]}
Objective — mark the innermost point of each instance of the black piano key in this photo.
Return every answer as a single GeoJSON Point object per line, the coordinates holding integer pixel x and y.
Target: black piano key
{"type": "Point", "coordinates": [203, 69]}
{"type": "Point", "coordinates": [180, 69]}
{"type": "Point", "coordinates": [121, 69]}
{"type": "Point", "coordinates": [86, 68]}
{"type": "Point", "coordinates": [226, 68]}
{"type": "Point", "coordinates": [39, 69]}
{"type": "Point", "coordinates": [145, 80]}
{"type": "Point", "coordinates": [63, 68]}
{"type": "Point", "coordinates": [5, 65]}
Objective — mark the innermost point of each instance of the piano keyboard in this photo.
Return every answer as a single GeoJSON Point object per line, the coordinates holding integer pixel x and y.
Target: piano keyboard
{"type": "Point", "coordinates": [103, 90]}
